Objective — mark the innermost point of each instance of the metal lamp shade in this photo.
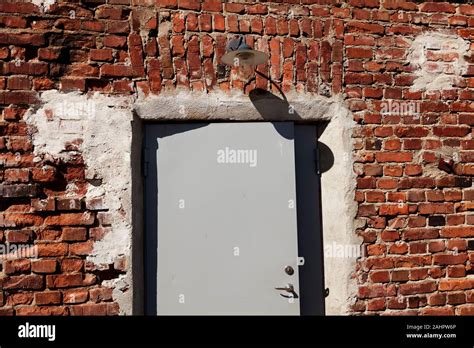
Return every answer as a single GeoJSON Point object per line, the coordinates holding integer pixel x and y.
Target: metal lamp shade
{"type": "Point", "coordinates": [243, 57]}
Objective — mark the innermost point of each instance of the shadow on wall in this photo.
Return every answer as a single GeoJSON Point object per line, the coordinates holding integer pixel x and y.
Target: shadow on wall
{"type": "Point", "coordinates": [274, 108]}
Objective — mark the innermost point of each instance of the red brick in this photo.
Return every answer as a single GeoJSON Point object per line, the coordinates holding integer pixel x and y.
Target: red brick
{"type": "Point", "coordinates": [437, 299]}
{"type": "Point", "coordinates": [189, 5]}
{"type": "Point", "coordinates": [205, 22]}
{"type": "Point", "coordinates": [84, 248]}
{"type": "Point", "coordinates": [73, 84]}
{"type": "Point", "coordinates": [22, 298]}
{"type": "Point", "coordinates": [72, 265]}
{"type": "Point", "coordinates": [89, 309]}
{"type": "Point", "coordinates": [449, 259]}
{"type": "Point", "coordinates": [114, 41]}
{"type": "Point", "coordinates": [455, 284]}
{"type": "Point", "coordinates": [362, 27]}
{"type": "Point", "coordinates": [98, 233]}
{"type": "Point", "coordinates": [467, 309]}
{"type": "Point", "coordinates": [86, 218]}
{"type": "Point", "coordinates": [42, 311]}
{"type": "Point", "coordinates": [49, 54]}
{"type": "Point", "coordinates": [219, 22]}
{"type": "Point", "coordinates": [379, 276]}
{"type": "Point", "coordinates": [18, 82]}
{"type": "Point", "coordinates": [100, 294]}
{"type": "Point", "coordinates": [44, 266]}
{"type": "Point", "coordinates": [74, 234]}
{"type": "Point", "coordinates": [394, 157]}
{"type": "Point", "coordinates": [43, 204]}
{"type": "Point", "coordinates": [22, 39]}
{"type": "Point", "coordinates": [417, 287]}
{"type": "Point", "coordinates": [234, 8]}
{"type": "Point", "coordinates": [451, 131]}
{"type": "Point", "coordinates": [72, 296]}
{"type": "Point", "coordinates": [33, 282]}
{"type": "Point", "coordinates": [117, 70]}
{"type": "Point", "coordinates": [438, 7]}
{"type": "Point", "coordinates": [458, 271]}
{"type": "Point", "coordinates": [16, 175]}
{"type": "Point", "coordinates": [357, 52]}
{"type": "Point", "coordinates": [16, 266]}
{"type": "Point", "coordinates": [257, 9]}
{"type": "Point", "coordinates": [461, 231]}
{"type": "Point", "coordinates": [413, 169]}
{"type": "Point", "coordinates": [438, 311]}
{"type": "Point", "coordinates": [64, 280]}
{"type": "Point", "coordinates": [44, 174]}
{"type": "Point", "coordinates": [113, 308]}
{"type": "Point", "coordinates": [212, 5]}
{"type": "Point", "coordinates": [68, 204]}
{"type": "Point", "coordinates": [52, 249]}
{"type": "Point", "coordinates": [23, 236]}
{"type": "Point", "coordinates": [420, 233]}
{"type": "Point", "coordinates": [103, 55]}
{"type": "Point", "coordinates": [393, 209]}
{"type": "Point", "coordinates": [48, 298]}
{"type": "Point", "coordinates": [371, 291]}
{"type": "Point", "coordinates": [377, 304]}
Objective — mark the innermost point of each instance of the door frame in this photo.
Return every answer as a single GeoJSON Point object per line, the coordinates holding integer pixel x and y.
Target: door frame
{"type": "Point", "coordinates": [309, 280]}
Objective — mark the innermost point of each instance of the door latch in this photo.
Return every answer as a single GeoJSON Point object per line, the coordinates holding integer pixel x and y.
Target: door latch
{"type": "Point", "coordinates": [290, 289]}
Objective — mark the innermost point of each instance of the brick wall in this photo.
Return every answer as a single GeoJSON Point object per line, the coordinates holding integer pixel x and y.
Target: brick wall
{"type": "Point", "coordinates": [381, 56]}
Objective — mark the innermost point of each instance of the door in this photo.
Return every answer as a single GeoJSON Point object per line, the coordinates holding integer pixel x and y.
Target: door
{"type": "Point", "coordinates": [226, 219]}
{"type": "Point", "coordinates": [221, 217]}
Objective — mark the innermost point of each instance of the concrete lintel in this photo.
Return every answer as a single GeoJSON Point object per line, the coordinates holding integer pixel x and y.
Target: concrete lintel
{"type": "Point", "coordinates": [219, 106]}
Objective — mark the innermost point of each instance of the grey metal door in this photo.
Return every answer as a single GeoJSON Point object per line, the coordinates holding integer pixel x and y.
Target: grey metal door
{"type": "Point", "coordinates": [226, 218]}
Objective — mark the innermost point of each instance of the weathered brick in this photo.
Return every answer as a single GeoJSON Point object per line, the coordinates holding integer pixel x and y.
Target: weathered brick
{"type": "Point", "coordinates": [42, 311]}
{"type": "Point", "coordinates": [16, 266]}
{"type": "Point", "coordinates": [33, 282]}
{"type": "Point", "coordinates": [65, 219]}
{"type": "Point", "coordinates": [48, 298]}
{"type": "Point", "coordinates": [72, 296]}
{"type": "Point", "coordinates": [44, 266]}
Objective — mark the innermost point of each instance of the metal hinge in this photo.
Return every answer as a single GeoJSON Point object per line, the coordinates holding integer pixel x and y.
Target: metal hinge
{"type": "Point", "coordinates": [316, 161]}
{"type": "Point", "coordinates": [146, 161]}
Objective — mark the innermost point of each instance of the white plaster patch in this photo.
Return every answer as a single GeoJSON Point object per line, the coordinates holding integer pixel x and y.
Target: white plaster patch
{"type": "Point", "coordinates": [433, 73]}
{"type": "Point", "coordinates": [338, 213]}
{"type": "Point", "coordinates": [44, 4]}
{"type": "Point", "coordinates": [120, 292]}
{"type": "Point", "coordinates": [104, 125]}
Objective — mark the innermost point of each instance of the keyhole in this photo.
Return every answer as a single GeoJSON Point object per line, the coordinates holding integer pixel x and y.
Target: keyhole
{"type": "Point", "coordinates": [289, 270]}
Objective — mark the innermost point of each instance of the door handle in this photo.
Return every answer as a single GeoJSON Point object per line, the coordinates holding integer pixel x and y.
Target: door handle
{"type": "Point", "coordinates": [289, 289]}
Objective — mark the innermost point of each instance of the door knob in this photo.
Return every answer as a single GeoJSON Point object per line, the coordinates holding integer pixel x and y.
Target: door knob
{"type": "Point", "coordinates": [289, 289]}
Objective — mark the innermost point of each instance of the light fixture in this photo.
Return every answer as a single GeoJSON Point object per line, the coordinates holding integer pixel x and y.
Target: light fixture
{"type": "Point", "coordinates": [240, 54]}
